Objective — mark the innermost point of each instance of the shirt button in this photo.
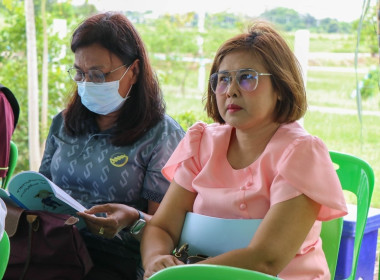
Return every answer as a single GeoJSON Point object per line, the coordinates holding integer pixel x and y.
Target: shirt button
{"type": "Point", "coordinates": [243, 206]}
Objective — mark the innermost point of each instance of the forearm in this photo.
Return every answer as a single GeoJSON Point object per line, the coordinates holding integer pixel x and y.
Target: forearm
{"type": "Point", "coordinates": [289, 232]}
{"type": "Point", "coordinates": [248, 258]}
{"type": "Point", "coordinates": [155, 242]}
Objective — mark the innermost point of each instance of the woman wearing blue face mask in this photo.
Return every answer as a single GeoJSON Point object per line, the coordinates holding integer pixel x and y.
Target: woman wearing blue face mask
{"type": "Point", "coordinates": [107, 148]}
{"type": "Point", "coordinates": [92, 93]}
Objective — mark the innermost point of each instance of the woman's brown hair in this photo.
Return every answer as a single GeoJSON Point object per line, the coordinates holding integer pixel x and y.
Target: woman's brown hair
{"type": "Point", "coordinates": [145, 105]}
{"type": "Point", "coordinates": [274, 53]}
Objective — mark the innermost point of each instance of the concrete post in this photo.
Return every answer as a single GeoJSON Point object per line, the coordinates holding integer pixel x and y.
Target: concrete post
{"type": "Point", "coordinates": [301, 50]}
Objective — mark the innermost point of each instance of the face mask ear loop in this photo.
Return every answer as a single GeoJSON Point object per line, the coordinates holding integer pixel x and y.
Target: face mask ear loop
{"type": "Point", "coordinates": [127, 95]}
{"type": "Point", "coordinates": [125, 73]}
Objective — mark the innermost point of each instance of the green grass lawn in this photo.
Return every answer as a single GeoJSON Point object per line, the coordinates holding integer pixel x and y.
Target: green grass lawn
{"type": "Point", "coordinates": [335, 89]}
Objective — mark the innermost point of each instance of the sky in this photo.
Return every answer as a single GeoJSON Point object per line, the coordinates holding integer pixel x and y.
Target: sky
{"type": "Point", "coordinates": [342, 10]}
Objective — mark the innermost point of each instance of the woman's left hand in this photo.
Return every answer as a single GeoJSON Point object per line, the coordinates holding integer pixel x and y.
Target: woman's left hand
{"type": "Point", "coordinates": [160, 262]}
{"type": "Point", "coordinates": [118, 216]}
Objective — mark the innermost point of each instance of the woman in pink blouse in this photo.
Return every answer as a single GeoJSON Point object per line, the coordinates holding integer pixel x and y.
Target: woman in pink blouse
{"type": "Point", "coordinates": [255, 162]}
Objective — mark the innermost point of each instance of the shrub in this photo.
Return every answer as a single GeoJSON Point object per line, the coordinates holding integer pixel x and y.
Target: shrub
{"type": "Point", "coordinates": [188, 118]}
{"type": "Point", "coordinates": [370, 84]}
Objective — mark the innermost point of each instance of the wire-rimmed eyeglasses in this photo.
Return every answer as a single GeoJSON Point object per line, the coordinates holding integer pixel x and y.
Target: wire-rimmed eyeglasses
{"type": "Point", "coordinates": [94, 75]}
{"type": "Point", "coordinates": [247, 80]}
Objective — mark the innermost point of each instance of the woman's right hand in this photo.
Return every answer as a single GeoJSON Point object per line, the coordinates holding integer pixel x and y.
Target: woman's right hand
{"type": "Point", "coordinates": [160, 262]}
{"type": "Point", "coordinates": [118, 216]}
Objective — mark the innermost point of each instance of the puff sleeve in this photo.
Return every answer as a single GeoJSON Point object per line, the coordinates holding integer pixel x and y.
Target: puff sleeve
{"type": "Point", "coordinates": [306, 167]}
{"type": "Point", "coordinates": [184, 164]}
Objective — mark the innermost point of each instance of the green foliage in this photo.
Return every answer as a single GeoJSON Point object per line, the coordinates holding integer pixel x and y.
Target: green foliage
{"type": "Point", "coordinates": [213, 38]}
{"type": "Point", "coordinates": [290, 20]}
{"type": "Point", "coordinates": [188, 118]}
{"type": "Point", "coordinates": [13, 61]}
{"type": "Point", "coordinates": [175, 37]}
{"type": "Point", "coordinates": [223, 20]}
{"type": "Point", "coordinates": [338, 90]}
{"type": "Point", "coordinates": [168, 36]}
{"type": "Point", "coordinates": [331, 89]}
{"type": "Point", "coordinates": [332, 43]}
{"type": "Point", "coordinates": [370, 85]}
{"type": "Point", "coordinates": [368, 32]}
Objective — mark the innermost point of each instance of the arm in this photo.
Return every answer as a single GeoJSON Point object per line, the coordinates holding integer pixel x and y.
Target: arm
{"type": "Point", "coordinates": [278, 238]}
{"type": "Point", "coordinates": [163, 231]}
{"type": "Point", "coordinates": [154, 155]}
{"type": "Point", "coordinates": [118, 217]}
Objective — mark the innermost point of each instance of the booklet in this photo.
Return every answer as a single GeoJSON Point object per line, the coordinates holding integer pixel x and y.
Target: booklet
{"type": "Point", "coordinates": [33, 191]}
{"type": "Point", "coordinates": [213, 236]}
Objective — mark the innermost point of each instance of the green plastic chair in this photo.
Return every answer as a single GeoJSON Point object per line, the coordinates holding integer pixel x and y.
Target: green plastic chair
{"type": "Point", "coordinates": [13, 155]}
{"type": "Point", "coordinates": [331, 234]}
{"type": "Point", "coordinates": [209, 272]}
{"type": "Point", "coordinates": [357, 177]}
{"type": "Point", "coordinates": [4, 254]}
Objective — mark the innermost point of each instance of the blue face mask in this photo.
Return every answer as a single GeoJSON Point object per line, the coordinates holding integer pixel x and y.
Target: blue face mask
{"type": "Point", "coordinates": [102, 98]}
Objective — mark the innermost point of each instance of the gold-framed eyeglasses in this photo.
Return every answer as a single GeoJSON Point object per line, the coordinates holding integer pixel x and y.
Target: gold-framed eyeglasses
{"type": "Point", "coordinates": [94, 75]}
{"type": "Point", "coordinates": [247, 79]}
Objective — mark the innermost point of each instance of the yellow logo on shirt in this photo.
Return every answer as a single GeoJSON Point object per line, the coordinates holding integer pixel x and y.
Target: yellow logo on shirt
{"type": "Point", "coordinates": [118, 159]}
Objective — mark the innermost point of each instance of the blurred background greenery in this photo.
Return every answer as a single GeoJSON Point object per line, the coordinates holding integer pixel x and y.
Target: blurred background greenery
{"type": "Point", "coordinates": [173, 43]}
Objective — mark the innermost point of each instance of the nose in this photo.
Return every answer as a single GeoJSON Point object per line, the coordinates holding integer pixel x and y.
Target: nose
{"type": "Point", "coordinates": [86, 77]}
{"type": "Point", "coordinates": [233, 89]}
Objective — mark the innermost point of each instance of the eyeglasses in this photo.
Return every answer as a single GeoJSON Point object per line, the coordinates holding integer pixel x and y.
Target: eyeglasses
{"type": "Point", "coordinates": [247, 80]}
{"type": "Point", "coordinates": [94, 75]}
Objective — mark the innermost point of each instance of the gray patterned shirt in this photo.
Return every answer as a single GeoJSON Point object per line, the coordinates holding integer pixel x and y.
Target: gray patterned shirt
{"type": "Point", "coordinates": [93, 171]}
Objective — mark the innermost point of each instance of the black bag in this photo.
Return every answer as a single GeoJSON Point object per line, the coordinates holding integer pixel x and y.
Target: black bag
{"type": "Point", "coordinates": [44, 246]}
{"type": "Point", "coordinates": [183, 255]}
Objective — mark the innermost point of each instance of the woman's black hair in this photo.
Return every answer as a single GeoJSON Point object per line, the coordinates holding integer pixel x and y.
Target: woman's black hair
{"type": "Point", "coordinates": [145, 105]}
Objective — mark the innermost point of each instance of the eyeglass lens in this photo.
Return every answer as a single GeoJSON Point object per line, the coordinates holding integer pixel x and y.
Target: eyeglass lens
{"type": "Point", "coordinates": [95, 76]}
{"type": "Point", "coordinates": [246, 79]}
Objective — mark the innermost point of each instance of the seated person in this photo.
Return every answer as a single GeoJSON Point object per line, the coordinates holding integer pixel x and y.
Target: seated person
{"type": "Point", "coordinates": [255, 162]}
{"type": "Point", "coordinates": [9, 112]}
{"type": "Point", "coordinates": [108, 146]}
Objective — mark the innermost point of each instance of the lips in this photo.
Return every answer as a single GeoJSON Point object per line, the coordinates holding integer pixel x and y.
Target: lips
{"type": "Point", "coordinates": [233, 107]}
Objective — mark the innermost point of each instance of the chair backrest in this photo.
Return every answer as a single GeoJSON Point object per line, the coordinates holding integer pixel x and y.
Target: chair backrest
{"type": "Point", "coordinates": [208, 272]}
{"type": "Point", "coordinates": [13, 155]}
{"type": "Point", "coordinates": [4, 253]}
{"type": "Point", "coordinates": [357, 177]}
{"type": "Point", "coordinates": [331, 234]}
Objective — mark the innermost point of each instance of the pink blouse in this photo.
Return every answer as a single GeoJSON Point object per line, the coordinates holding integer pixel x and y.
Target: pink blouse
{"type": "Point", "coordinates": [293, 163]}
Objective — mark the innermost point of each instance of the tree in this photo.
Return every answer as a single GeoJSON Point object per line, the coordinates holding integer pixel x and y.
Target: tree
{"type": "Point", "coordinates": [45, 71]}
{"type": "Point", "coordinates": [172, 38]}
{"type": "Point", "coordinates": [33, 115]}
{"type": "Point", "coordinates": [288, 19]}
{"type": "Point", "coordinates": [368, 32]}
{"type": "Point", "coordinates": [13, 62]}
{"type": "Point", "coordinates": [330, 25]}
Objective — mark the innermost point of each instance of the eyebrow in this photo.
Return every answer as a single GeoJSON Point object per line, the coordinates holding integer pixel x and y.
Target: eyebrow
{"type": "Point", "coordinates": [100, 67]}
